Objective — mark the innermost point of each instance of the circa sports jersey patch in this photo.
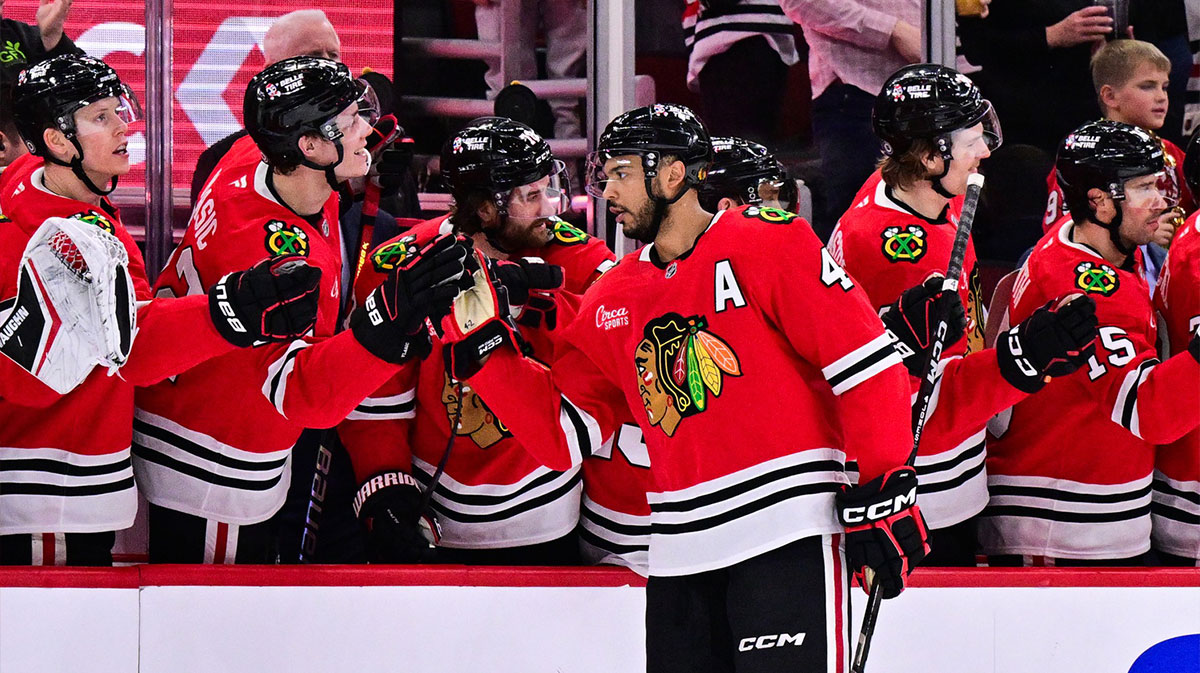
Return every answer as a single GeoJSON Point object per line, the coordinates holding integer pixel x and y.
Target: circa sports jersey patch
{"type": "Point", "coordinates": [393, 254]}
{"type": "Point", "coordinates": [904, 244]}
{"type": "Point", "coordinates": [1096, 278]}
{"type": "Point", "coordinates": [475, 419]}
{"type": "Point", "coordinates": [771, 215]}
{"type": "Point", "coordinates": [567, 234]}
{"type": "Point", "coordinates": [285, 239]}
{"type": "Point", "coordinates": [92, 217]}
{"type": "Point", "coordinates": [679, 362]}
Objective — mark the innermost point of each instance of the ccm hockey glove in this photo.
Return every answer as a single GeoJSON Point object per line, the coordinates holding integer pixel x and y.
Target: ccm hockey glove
{"type": "Point", "coordinates": [913, 317]}
{"type": "Point", "coordinates": [479, 322]}
{"type": "Point", "coordinates": [274, 300]}
{"type": "Point", "coordinates": [886, 535]}
{"type": "Point", "coordinates": [1049, 343]}
{"type": "Point", "coordinates": [388, 505]}
{"type": "Point", "coordinates": [390, 323]}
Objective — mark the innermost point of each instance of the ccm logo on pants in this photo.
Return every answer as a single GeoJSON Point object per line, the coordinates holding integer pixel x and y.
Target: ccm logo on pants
{"type": "Point", "coordinates": [767, 642]}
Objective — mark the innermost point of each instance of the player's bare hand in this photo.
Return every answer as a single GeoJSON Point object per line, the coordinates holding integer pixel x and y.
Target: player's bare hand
{"type": "Point", "coordinates": [1166, 229]}
{"type": "Point", "coordinates": [1080, 27]}
{"type": "Point", "coordinates": [51, 15]}
{"type": "Point", "coordinates": [906, 39]}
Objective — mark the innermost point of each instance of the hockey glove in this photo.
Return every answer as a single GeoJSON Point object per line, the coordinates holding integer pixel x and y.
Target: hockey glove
{"type": "Point", "coordinates": [274, 300]}
{"type": "Point", "coordinates": [540, 309]}
{"type": "Point", "coordinates": [479, 322]}
{"type": "Point", "coordinates": [390, 323]}
{"type": "Point", "coordinates": [525, 275]}
{"type": "Point", "coordinates": [388, 505]}
{"type": "Point", "coordinates": [1194, 346]}
{"type": "Point", "coordinates": [913, 317]}
{"type": "Point", "coordinates": [1049, 343]}
{"type": "Point", "coordinates": [886, 535]}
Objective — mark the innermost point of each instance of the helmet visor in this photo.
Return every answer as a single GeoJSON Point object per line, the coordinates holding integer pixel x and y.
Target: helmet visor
{"type": "Point", "coordinates": [777, 192]}
{"type": "Point", "coordinates": [368, 103]}
{"type": "Point", "coordinates": [104, 115]}
{"type": "Point", "coordinates": [1151, 191]}
{"type": "Point", "coordinates": [602, 168]}
{"type": "Point", "coordinates": [542, 198]}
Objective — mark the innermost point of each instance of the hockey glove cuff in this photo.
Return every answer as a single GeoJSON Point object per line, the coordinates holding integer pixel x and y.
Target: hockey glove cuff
{"type": "Point", "coordinates": [913, 317]}
{"type": "Point", "coordinates": [885, 531]}
{"type": "Point", "coordinates": [1049, 343]}
{"type": "Point", "coordinates": [397, 532]}
{"type": "Point", "coordinates": [274, 300]}
{"type": "Point", "coordinates": [478, 323]}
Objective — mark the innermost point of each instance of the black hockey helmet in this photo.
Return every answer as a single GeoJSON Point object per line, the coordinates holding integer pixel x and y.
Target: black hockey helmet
{"type": "Point", "coordinates": [299, 96]}
{"type": "Point", "coordinates": [1191, 164]}
{"type": "Point", "coordinates": [929, 101]}
{"type": "Point", "coordinates": [652, 132]}
{"type": "Point", "coordinates": [496, 154]}
{"type": "Point", "coordinates": [47, 95]}
{"type": "Point", "coordinates": [739, 170]}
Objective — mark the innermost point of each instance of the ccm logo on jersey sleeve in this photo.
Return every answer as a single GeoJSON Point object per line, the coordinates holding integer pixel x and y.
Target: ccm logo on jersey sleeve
{"type": "Point", "coordinates": [771, 641]}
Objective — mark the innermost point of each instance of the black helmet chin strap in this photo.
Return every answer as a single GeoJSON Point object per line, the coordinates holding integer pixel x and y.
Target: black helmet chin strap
{"type": "Point", "coordinates": [328, 169]}
{"type": "Point", "coordinates": [943, 143]}
{"type": "Point", "coordinates": [661, 203]}
{"type": "Point", "coordinates": [76, 166]}
{"type": "Point", "coordinates": [1114, 232]}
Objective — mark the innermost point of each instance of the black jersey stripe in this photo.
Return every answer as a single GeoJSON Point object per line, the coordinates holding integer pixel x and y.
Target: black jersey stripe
{"type": "Point", "coordinates": [583, 438]}
{"type": "Point", "coordinates": [1066, 517]}
{"type": "Point", "coordinates": [380, 409]}
{"type": "Point", "coordinates": [64, 468]}
{"type": "Point", "coordinates": [1181, 515]}
{"type": "Point", "coordinates": [519, 508]}
{"type": "Point", "coordinates": [742, 26]}
{"type": "Point", "coordinates": [734, 490]}
{"type": "Point", "coordinates": [202, 474]}
{"type": "Point", "coordinates": [277, 380]}
{"type": "Point", "coordinates": [865, 363]}
{"type": "Point", "coordinates": [33, 488]}
{"type": "Point", "coordinates": [608, 545]}
{"type": "Point", "coordinates": [1068, 496]}
{"type": "Point", "coordinates": [1129, 410]}
{"type": "Point", "coordinates": [482, 499]}
{"type": "Point", "coordinates": [601, 521]}
{"type": "Point", "coordinates": [773, 498]}
{"type": "Point", "coordinates": [188, 446]}
{"type": "Point", "coordinates": [939, 486]}
{"type": "Point", "coordinates": [1161, 486]}
{"type": "Point", "coordinates": [930, 469]}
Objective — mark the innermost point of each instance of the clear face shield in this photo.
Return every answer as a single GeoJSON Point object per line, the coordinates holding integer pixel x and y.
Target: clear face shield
{"type": "Point", "coordinates": [778, 192]}
{"type": "Point", "coordinates": [1151, 192]}
{"type": "Point", "coordinates": [601, 169]}
{"type": "Point", "coordinates": [541, 199]}
{"type": "Point", "coordinates": [107, 114]}
{"type": "Point", "coordinates": [365, 108]}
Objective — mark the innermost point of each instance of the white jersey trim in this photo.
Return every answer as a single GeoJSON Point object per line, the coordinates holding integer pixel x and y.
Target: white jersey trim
{"type": "Point", "coordinates": [57, 491]}
{"type": "Point", "coordinates": [1125, 410]}
{"type": "Point", "coordinates": [609, 536]}
{"type": "Point", "coordinates": [1175, 516]}
{"type": "Point", "coordinates": [861, 364]}
{"type": "Point", "coordinates": [391, 408]}
{"type": "Point", "coordinates": [275, 386]}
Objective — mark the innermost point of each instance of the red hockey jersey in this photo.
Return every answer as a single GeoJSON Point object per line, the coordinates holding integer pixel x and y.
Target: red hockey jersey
{"type": "Point", "coordinates": [887, 248]}
{"type": "Point", "coordinates": [494, 493]}
{"type": "Point", "coordinates": [1175, 512]}
{"type": "Point", "coordinates": [746, 373]}
{"type": "Point", "coordinates": [215, 442]}
{"type": "Point", "coordinates": [1070, 472]}
{"type": "Point", "coordinates": [66, 459]}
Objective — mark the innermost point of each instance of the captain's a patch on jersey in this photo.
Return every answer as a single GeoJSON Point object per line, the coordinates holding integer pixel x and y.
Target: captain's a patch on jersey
{"type": "Point", "coordinates": [771, 215]}
{"type": "Point", "coordinates": [92, 217]}
{"type": "Point", "coordinates": [1096, 278]}
{"type": "Point", "coordinates": [904, 244]}
{"type": "Point", "coordinates": [393, 254]}
{"type": "Point", "coordinates": [284, 238]}
{"type": "Point", "coordinates": [566, 233]}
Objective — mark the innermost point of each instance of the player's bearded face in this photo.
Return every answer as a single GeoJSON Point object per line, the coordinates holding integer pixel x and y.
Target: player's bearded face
{"type": "Point", "coordinates": [528, 223]}
{"type": "Point", "coordinates": [103, 133]}
{"type": "Point", "coordinates": [625, 191]}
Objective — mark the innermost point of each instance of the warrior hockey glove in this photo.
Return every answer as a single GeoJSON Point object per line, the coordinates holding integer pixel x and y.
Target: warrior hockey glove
{"type": "Point", "coordinates": [886, 535]}
{"type": "Point", "coordinates": [388, 505]}
{"type": "Point", "coordinates": [479, 322]}
{"type": "Point", "coordinates": [274, 300]}
{"type": "Point", "coordinates": [913, 317]}
{"type": "Point", "coordinates": [1049, 343]}
{"type": "Point", "coordinates": [390, 323]}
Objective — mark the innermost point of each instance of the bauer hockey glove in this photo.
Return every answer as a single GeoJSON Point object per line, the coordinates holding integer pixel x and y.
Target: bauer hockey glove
{"type": "Point", "coordinates": [274, 300]}
{"type": "Point", "coordinates": [388, 506]}
{"type": "Point", "coordinates": [391, 322]}
{"type": "Point", "coordinates": [914, 315]}
{"type": "Point", "coordinates": [479, 322]}
{"type": "Point", "coordinates": [1049, 343]}
{"type": "Point", "coordinates": [886, 535]}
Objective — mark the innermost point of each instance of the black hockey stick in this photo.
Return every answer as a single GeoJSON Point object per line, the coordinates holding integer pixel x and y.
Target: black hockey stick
{"type": "Point", "coordinates": [921, 410]}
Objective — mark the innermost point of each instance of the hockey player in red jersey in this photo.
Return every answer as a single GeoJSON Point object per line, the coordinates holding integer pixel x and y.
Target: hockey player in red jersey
{"type": "Point", "coordinates": [746, 173]}
{"type": "Point", "coordinates": [936, 128]}
{"type": "Point", "coordinates": [495, 502]}
{"type": "Point", "coordinates": [1070, 473]}
{"type": "Point", "coordinates": [212, 446]}
{"type": "Point", "coordinates": [1175, 510]}
{"type": "Point", "coordinates": [732, 362]}
{"type": "Point", "coordinates": [68, 483]}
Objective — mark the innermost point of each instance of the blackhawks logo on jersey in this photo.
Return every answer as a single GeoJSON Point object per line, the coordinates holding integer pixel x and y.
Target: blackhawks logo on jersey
{"type": "Point", "coordinates": [904, 244]}
{"type": "Point", "coordinates": [566, 233]}
{"type": "Point", "coordinates": [475, 419]}
{"type": "Point", "coordinates": [679, 362]}
{"type": "Point", "coordinates": [392, 255]}
{"type": "Point", "coordinates": [1096, 278]}
{"type": "Point", "coordinates": [92, 217]}
{"type": "Point", "coordinates": [286, 239]}
{"type": "Point", "coordinates": [771, 215]}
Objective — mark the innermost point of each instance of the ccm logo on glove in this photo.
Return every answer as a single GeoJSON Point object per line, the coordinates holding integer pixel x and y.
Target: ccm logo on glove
{"type": "Point", "coordinates": [879, 510]}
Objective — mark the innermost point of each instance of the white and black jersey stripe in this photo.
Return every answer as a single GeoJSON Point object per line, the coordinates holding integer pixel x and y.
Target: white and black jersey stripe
{"type": "Point", "coordinates": [1039, 516]}
{"type": "Point", "coordinates": [952, 485]}
{"type": "Point", "coordinates": [1175, 516]}
{"type": "Point", "coordinates": [708, 32]}
{"type": "Point", "coordinates": [542, 506]}
{"type": "Point", "coordinates": [275, 387]}
{"type": "Point", "coordinates": [861, 364]}
{"type": "Point", "coordinates": [725, 520]}
{"type": "Point", "coordinates": [390, 408]}
{"type": "Point", "coordinates": [581, 431]}
{"type": "Point", "coordinates": [41, 490]}
{"type": "Point", "coordinates": [1125, 410]}
{"type": "Point", "coordinates": [177, 468]}
{"type": "Point", "coordinates": [607, 536]}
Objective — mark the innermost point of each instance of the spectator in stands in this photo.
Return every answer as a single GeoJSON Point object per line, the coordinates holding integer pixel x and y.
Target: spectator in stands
{"type": "Point", "coordinates": [854, 45]}
{"type": "Point", "coordinates": [564, 23]}
{"type": "Point", "coordinates": [1163, 23]}
{"type": "Point", "coordinates": [739, 52]}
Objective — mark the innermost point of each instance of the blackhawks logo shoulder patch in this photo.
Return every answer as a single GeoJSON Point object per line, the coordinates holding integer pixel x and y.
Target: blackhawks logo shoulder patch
{"type": "Point", "coordinates": [391, 255]}
{"type": "Point", "coordinates": [1096, 278]}
{"type": "Point", "coordinates": [771, 215]}
{"type": "Point", "coordinates": [678, 363]}
{"type": "Point", "coordinates": [904, 244]}
{"type": "Point", "coordinates": [92, 217]}
{"type": "Point", "coordinates": [566, 233]}
{"type": "Point", "coordinates": [284, 238]}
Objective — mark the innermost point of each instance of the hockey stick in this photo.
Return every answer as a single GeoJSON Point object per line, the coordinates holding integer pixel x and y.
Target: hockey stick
{"type": "Point", "coordinates": [921, 410]}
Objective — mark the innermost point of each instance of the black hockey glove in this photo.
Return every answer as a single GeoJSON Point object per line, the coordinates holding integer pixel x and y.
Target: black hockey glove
{"type": "Point", "coordinates": [390, 323]}
{"type": "Point", "coordinates": [540, 309]}
{"type": "Point", "coordinates": [388, 506]}
{"type": "Point", "coordinates": [522, 276]}
{"type": "Point", "coordinates": [1049, 343]}
{"type": "Point", "coordinates": [913, 317]}
{"type": "Point", "coordinates": [274, 300]}
{"type": "Point", "coordinates": [480, 322]}
{"type": "Point", "coordinates": [886, 535]}
{"type": "Point", "coordinates": [1194, 346]}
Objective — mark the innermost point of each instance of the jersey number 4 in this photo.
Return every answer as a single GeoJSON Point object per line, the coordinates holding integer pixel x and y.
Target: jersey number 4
{"type": "Point", "coordinates": [832, 273]}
